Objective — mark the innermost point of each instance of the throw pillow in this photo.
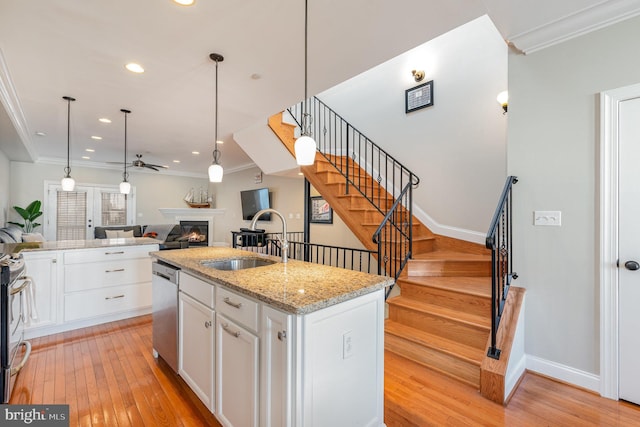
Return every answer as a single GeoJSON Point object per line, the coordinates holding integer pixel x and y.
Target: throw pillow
{"type": "Point", "coordinates": [125, 234]}
{"type": "Point", "coordinates": [112, 234]}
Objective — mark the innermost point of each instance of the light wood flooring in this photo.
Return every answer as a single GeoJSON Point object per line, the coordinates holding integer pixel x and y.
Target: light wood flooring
{"type": "Point", "coordinates": [108, 376]}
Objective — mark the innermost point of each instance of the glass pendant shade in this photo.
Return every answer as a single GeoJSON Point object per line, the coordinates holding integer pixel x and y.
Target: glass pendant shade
{"type": "Point", "coordinates": [125, 187]}
{"type": "Point", "coordinates": [68, 183]}
{"type": "Point", "coordinates": [215, 173]}
{"type": "Point", "coordinates": [305, 149]}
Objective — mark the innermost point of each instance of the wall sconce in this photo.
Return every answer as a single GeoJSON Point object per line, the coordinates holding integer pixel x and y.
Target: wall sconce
{"type": "Point", "coordinates": [503, 100]}
{"type": "Point", "coordinates": [417, 75]}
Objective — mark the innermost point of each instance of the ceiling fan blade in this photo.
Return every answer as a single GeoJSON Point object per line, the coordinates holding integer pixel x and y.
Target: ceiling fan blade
{"type": "Point", "coordinates": [155, 166]}
{"type": "Point", "coordinates": [151, 167]}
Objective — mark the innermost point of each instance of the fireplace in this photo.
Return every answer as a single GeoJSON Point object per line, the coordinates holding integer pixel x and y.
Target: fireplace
{"type": "Point", "coordinates": [196, 232]}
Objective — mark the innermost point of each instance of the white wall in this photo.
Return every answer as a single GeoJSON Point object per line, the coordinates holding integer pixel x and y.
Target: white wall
{"type": "Point", "coordinates": [553, 141]}
{"type": "Point", "coordinates": [153, 190]}
{"type": "Point", "coordinates": [458, 146]}
{"type": "Point", "coordinates": [5, 186]}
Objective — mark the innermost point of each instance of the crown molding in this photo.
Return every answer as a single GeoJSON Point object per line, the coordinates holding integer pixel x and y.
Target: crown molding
{"type": "Point", "coordinates": [575, 24]}
{"type": "Point", "coordinates": [11, 103]}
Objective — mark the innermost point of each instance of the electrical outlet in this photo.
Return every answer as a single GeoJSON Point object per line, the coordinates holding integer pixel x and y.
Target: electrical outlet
{"type": "Point", "coordinates": [553, 218]}
{"type": "Point", "coordinates": [347, 345]}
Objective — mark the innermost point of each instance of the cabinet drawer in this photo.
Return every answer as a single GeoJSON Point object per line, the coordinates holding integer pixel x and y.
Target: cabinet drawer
{"type": "Point", "coordinates": [107, 254]}
{"type": "Point", "coordinates": [237, 308]}
{"type": "Point", "coordinates": [198, 289]}
{"type": "Point", "coordinates": [93, 275]}
{"type": "Point", "coordinates": [110, 300]}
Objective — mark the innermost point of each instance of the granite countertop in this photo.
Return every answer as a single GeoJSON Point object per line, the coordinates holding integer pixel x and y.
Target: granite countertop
{"type": "Point", "coordinates": [296, 287]}
{"type": "Point", "coordinates": [59, 245]}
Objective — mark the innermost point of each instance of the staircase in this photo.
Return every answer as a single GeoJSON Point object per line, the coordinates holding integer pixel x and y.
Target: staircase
{"type": "Point", "coordinates": [442, 317]}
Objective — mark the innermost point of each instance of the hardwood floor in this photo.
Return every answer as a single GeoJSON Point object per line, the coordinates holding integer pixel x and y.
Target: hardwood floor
{"type": "Point", "coordinates": [109, 377]}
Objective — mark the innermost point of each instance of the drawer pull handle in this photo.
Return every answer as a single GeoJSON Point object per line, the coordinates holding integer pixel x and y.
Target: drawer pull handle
{"type": "Point", "coordinates": [117, 296]}
{"type": "Point", "coordinates": [207, 324]}
{"type": "Point", "coordinates": [228, 330]}
{"type": "Point", "coordinates": [114, 253]}
{"type": "Point", "coordinates": [114, 271]}
{"type": "Point", "coordinates": [231, 303]}
{"type": "Point", "coordinates": [282, 335]}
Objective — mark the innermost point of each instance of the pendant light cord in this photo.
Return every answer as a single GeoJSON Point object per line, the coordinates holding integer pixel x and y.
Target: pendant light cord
{"type": "Point", "coordinates": [216, 153]}
{"type": "Point", "coordinates": [125, 175]}
{"type": "Point", "coordinates": [67, 170]}
{"type": "Point", "coordinates": [306, 117]}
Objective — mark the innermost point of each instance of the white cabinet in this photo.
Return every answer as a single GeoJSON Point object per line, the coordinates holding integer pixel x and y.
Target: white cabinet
{"type": "Point", "coordinates": [196, 347]}
{"type": "Point", "coordinates": [108, 283]}
{"type": "Point", "coordinates": [236, 374]}
{"type": "Point", "coordinates": [276, 369]}
{"type": "Point", "coordinates": [42, 267]}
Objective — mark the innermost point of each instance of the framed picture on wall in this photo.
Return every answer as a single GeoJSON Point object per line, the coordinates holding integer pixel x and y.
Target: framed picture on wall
{"type": "Point", "coordinates": [321, 212]}
{"type": "Point", "coordinates": [418, 97]}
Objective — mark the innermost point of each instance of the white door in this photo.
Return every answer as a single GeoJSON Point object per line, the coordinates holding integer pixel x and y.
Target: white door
{"type": "Point", "coordinates": [72, 215]}
{"type": "Point", "coordinates": [629, 250]}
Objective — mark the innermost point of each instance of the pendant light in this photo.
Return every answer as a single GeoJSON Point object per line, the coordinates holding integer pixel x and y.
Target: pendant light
{"type": "Point", "coordinates": [68, 183]}
{"type": "Point", "coordinates": [215, 170]}
{"type": "Point", "coordinates": [305, 146]}
{"type": "Point", "coordinates": [125, 185]}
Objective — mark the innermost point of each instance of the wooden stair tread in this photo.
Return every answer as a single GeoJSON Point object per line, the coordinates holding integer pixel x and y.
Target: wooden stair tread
{"type": "Point", "coordinates": [480, 322]}
{"type": "Point", "coordinates": [440, 255]}
{"type": "Point", "coordinates": [467, 353]}
{"type": "Point", "coordinates": [477, 286]}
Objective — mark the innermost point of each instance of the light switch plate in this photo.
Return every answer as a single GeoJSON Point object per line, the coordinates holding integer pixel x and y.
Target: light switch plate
{"type": "Point", "coordinates": [347, 345]}
{"type": "Point", "coordinates": [553, 218]}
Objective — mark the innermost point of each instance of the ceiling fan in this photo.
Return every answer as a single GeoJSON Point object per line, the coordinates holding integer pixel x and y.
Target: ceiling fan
{"type": "Point", "coordinates": [138, 163]}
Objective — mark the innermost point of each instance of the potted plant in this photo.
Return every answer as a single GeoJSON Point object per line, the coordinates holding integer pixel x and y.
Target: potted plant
{"type": "Point", "coordinates": [29, 214]}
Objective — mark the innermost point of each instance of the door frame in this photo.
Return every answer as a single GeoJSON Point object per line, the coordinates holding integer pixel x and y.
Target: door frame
{"type": "Point", "coordinates": [608, 257]}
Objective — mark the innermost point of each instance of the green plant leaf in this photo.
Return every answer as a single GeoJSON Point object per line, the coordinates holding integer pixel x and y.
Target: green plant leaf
{"type": "Point", "coordinates": [34, 207]}
{"type": "Point", "coordinates": [16, 223]}
{"type": "Point", "coordinates": [22, 212]}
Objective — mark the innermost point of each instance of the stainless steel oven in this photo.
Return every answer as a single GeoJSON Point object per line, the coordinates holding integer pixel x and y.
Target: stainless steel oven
{"type": "Point", "coordinates": [14, 350]}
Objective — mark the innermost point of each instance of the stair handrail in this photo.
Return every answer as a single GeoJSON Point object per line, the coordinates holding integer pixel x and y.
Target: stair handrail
{"type": "Point", "coordinates": [360, 151]}
{"type": "Point", "coordinates": [500, 241]}
{"type": "Point", "coordinates": [401, 252]}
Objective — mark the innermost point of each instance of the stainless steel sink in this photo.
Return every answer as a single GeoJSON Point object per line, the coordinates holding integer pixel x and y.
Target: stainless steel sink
{"type": "Point", "coordinates": [237, 263]}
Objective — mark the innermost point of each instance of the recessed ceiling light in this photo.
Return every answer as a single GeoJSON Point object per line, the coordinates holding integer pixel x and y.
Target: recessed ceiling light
{"type": "Point", "coordinates": [220, 142]}
{"type": "Point", "coordinates": [185, 2]}
{"type": "Point", "coordinates": [86, 157]}
{"type": "Point", "coordinates": [165, 166]}
{"type": "Point", "coordinates": [104, 120]}
{"type": "Point", "coordinates": [90, 150]}
{"type": "Point", "coordinates": [41, 133]}
{"type": "Point", "coordinates": [195, 152]}
{"type": "Point", "coordinates": [176, 161]}
{"type": "Point", "coordinates": [134, 68]}
{"type": "Point", "coordinates": [96, 137]}
{"type": "Point", "coordinates": [255, 76]}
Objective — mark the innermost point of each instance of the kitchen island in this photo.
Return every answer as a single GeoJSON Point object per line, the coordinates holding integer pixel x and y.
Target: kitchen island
{"type": "Point", "coordinates": [294, 344]}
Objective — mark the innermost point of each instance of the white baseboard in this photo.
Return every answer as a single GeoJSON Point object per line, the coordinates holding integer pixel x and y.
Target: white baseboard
{"type": "Point", "coordinates": [564, 373]}
{"type": "Point", "coordinates": [448, 231]}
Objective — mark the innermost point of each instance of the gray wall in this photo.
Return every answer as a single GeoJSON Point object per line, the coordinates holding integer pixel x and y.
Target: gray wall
{"type": "Point", "coordinates": [287, 198]}
{"type": "Point", "coordinates": [553, 141]}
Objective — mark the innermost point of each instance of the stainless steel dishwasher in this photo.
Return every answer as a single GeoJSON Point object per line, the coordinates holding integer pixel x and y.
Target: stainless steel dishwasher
{"type": "Point", "coordinates": [164, 284]}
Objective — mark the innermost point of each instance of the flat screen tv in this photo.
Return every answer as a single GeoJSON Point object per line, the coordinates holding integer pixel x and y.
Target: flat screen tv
{"type": "Point", "coordinates": [254, 201]}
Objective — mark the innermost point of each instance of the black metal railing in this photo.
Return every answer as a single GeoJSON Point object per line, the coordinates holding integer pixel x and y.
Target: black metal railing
{"type": "Point", "coordinates": [500, 241]}
{"type": "Point", "coordinates": [394, 238]}
{"type": "Point", "coordinates": [371, 171]}
{"type": "Point", "coordinates": [336, 256]}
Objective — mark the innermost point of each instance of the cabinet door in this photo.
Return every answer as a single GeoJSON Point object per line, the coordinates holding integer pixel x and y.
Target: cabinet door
{"type": "Point", "coordinates": [236, 375]}
{"type": "Point", "coordinates": [276, 390]}
{"type": "Point", "coordinates": [196, 348]}
{"type": "Point", "coordinates": [43, 269]}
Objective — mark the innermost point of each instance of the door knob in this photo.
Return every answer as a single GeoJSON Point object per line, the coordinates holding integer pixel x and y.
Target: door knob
{"type": "Point", "coordinates": [631, 265]}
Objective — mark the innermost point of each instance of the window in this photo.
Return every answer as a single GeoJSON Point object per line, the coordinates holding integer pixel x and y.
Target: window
{"type": "Point", "coordinates": [72, 215]}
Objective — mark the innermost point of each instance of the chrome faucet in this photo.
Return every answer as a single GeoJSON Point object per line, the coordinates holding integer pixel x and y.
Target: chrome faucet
{"type": "Point", "coordinates": [283, 240]}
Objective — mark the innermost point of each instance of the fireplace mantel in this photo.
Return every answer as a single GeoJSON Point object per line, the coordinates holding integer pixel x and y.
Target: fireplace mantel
{"type": "Point", "coordinates": [191, 211]}
{"type": "Point", "coordinates": [198, 214]}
